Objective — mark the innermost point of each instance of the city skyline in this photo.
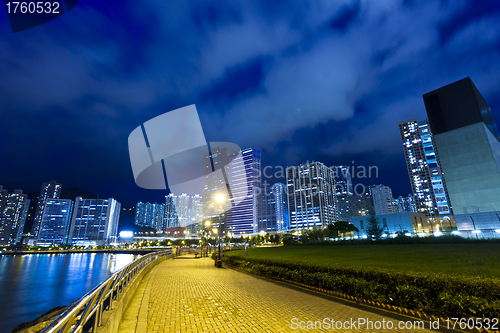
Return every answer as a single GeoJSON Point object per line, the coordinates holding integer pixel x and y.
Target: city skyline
{"type": "Point", "coordinates": [325, 82]}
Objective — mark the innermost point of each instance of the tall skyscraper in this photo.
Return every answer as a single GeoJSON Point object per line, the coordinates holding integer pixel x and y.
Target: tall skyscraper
{"type": "Point", "coordinates": [171, 218]}
{"type": "Point", "coordinates": [245, 190]}
{"type": "Point", "coordinates": [273, 209]}
{"type": "Point", "coordinates": [343, 192]}
{"type": "Point", "coordinates": [467, 141]}
{"type": "Point", "coordinates": [51, 190]}
{"type": "Point", "coordinates": [158, 216]}
{"type": "Point", "coordinates": [56, 218]}
{"type": "Point", "coordinates": [406, 204]}
{"type": "Point", "coordinates": [143, 214]}
{"type": "Point", "coordinates": [281, 200]}
{"type": "Point", "coordinates": [149, 215]}
{"type": "Point", "coordinates": [311, 196]}
{"type": "Point", "coordinates": [382, 199]}
{"type": "Point", "coordinates": [13, 211]}
{"type": "Point", "coordinates": [195, 215]}
{"type": "Point", "coordinates": [239, 179]}
{"type": "Point", "coordinates": [424, 168]}
{"type": "Point", "coordinates": [94, 221]}
{"type": "Point", "coordinates": [182, 203]}
{"type": "Point", "coordinates": [216, 189]}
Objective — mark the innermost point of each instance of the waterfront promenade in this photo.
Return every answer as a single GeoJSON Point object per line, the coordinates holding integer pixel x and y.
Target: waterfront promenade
{"type": "Point", "coordinates": [191, 295]}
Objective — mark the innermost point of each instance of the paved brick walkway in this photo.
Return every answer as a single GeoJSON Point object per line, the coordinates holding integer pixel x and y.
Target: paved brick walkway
{"type": "Point", "coordinates": [191, 295]}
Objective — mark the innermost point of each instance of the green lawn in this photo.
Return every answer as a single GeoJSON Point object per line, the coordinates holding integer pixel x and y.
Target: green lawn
{"type": "Point", "coordinates": [464, 259]}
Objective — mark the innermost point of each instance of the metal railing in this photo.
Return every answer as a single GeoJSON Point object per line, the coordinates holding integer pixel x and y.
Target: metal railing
{"type": "Point", "coordinates": [86, 314]}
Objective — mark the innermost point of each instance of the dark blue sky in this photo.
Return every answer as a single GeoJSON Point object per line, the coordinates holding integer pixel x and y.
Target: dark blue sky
{"type": "Point", "coordinates": [300, 81]}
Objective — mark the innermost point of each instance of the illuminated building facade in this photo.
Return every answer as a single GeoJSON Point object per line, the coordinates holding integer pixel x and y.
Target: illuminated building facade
{"type": "Point", "coordinates": [150, 215]}
{"type": "Point", "coordinates": [56, 218]}
{"type": "Point", "coordinates": [406, 204]}
{"type": "Point", "coordinates": [424, 169]}
{"type": "Point", "coordinates": [195, 215]}
{"type": "Point", "coordinates": [94, 222]}
{"type": "Point", "coordinates": [273, 209]}
{"type": "Point", "coordinates": [51, 190]}
{"type": "Point", "coordinates": [382, 199]}
{"type": "Point", "coordinates": [215, 186]}
{"type": "Point", "coordinates": [13, 211]}
{"type": "Point", "coordinates": [245, 189]}
{"type": "Point", "coordinates": [343, 192]}
{"type": "Point", "coordinates": [171, 219]}
{"type": "Point", "coordinates": [232, 188]}
{"type": "Point", "coordinates": [311, 196]}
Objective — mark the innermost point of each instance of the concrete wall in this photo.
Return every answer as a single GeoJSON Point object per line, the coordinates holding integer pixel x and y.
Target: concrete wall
{"type": "Point", "coordinates": [470, 158]}
{"type": "Point", "coordinates": [111, 319]}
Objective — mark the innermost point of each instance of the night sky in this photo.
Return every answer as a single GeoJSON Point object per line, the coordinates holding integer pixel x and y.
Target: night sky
{"type": "Point", "coordinates": [299, 81]}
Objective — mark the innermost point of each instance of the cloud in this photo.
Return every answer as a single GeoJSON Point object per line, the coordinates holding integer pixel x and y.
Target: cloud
{"type": "Point", "coordinates": [355, 68]}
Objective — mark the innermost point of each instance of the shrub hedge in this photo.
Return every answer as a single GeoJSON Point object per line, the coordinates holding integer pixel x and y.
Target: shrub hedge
{"type": "Point", "coordinates": [434, 294]}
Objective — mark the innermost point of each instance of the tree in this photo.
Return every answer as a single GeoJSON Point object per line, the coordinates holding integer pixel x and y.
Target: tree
{"type": "Point", "coordinates": [374, 229]}
{"type": "Point", "coordinates": [342, 227]}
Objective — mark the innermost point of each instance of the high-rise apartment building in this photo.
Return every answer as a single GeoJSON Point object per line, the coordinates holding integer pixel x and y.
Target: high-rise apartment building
{"type": "Point", "coordinates": [281, 200]}
{"type": "Point", "coordinates": [382, 199]}
{"type": "Point", "coordinates": [143, 214]}
{"type": "Point", "coordinates": [182, 203]}
{"type": "Point", "coordinates": [94, 221]}
{"type": "Point", "coordinates": [171, 219]}
{"type": "Point", "coordinates": [343, 192]}
{"type": "Point", "coordinates": [51, 190]}
{"type": "Point", "coordinates": [311, 196]}
{"type": "Point", "coordinates": [150, 215]}
{"type": "Point", "coordinates": [406, 204]}
{"type": "Point", "coordinates": [467, 140]}
{"type": "Point", "coordinates": [55, 223]}
{"type": "Point", "coordinates": [158, 216]}
{"type": "Point", "coordinates": [424, 168]}
{"type": "Point", "coordinates": [273, 209]}
{"type": "Point", "coordinates": [195, 215]}
{"type": "Point", "coordinates": [13, 211]}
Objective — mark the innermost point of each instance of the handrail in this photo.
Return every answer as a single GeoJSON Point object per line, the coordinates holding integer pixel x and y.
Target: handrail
{"type": "Point", "coordinates": [87, 312]}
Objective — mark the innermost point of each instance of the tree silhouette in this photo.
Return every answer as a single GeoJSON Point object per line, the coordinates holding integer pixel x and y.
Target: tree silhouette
{"type": "Point", "coordinates": [374, 229]}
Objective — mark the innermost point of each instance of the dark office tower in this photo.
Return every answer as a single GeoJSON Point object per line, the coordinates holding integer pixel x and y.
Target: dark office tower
{"type": "Point", "coordinates": [468, 144]}
{"type": "Point", "coordinates": [13, 212]}
{"type": "Point", "coordinates": [424, 169]}
{"type": "Point", "coordinates": [311, 196]}
{"type": "Point", "coordinates": [50, 190]}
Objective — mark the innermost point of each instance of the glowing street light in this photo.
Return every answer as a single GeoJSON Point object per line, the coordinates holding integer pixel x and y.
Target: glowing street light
{"type": "Point", "coordinates": [219, 197]}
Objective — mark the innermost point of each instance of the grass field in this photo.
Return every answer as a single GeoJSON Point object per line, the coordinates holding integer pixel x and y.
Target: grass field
{"type": "Point", "coordinates": [464, 259]}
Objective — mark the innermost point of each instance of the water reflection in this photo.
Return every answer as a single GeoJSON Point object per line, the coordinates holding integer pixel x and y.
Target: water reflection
{"type": "Point", "coordinates": [30, 285]}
